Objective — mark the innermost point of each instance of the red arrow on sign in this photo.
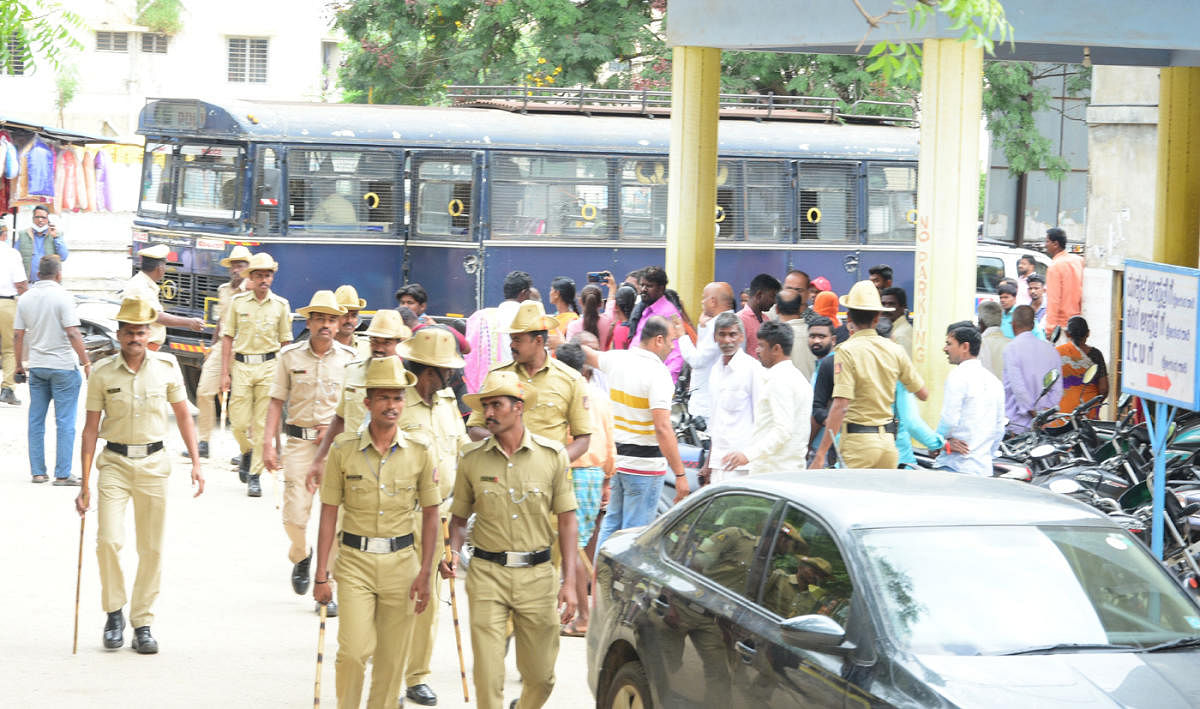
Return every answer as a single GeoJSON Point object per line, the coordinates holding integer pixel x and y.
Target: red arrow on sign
{"type": "Point", "coordinates": [1158, 381]}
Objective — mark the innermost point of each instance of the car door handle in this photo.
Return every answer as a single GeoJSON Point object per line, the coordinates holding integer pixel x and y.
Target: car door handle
{"type": "Point", "coordinates": [746, 651]}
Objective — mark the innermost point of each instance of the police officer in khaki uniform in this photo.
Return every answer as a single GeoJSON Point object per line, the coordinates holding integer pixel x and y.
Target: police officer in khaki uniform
{"type": "Point", "coordinates": [376, 477]}
{"type": "Point", "coordinates": [430, 408]}
{"type": "Point", "coordinates": [561, 406]}
{"type": "Point", "coordinates": [308, 379]}
{"type": "Point", "coordinates": [209, 384]}
{"type": "Point", "coordinates": [145, 283]}
{"type": "Point", "coordinates": [347, 297]}
{"type": "Point", "coordinates": [513, 482]}
{"type": "Point", "coordinates": [865, 370]}
{"type": "Point", "coordinates": [133, 389]}
{"type": "Point", "coordinates": [259, 324]}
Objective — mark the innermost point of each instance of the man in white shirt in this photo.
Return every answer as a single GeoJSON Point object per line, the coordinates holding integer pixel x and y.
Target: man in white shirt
{"type": "Point", "coordinates": [789, 306]}
{"type": "Point", "coordinates": [640, 389]}
{"type": "Point", "coordinates": [972, 407]}
{"type": "Point", "coordinates": [991, 352]}
{"type": "Point", "coordinates": [13, 282]}
{"type": "Point", "coordinates": [732, 381]}
{"type": "Point", "coordinates": [782, 409]}
{"type": "Point", "coordinates": [716, 298]}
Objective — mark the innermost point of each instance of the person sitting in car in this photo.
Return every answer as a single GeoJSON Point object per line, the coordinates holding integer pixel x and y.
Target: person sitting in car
{"type": "Point", "coordinates": [726, 556]}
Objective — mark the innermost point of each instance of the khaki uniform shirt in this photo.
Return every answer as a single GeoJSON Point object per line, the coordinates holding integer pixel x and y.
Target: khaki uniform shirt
{"type": "Point", "coordinates": [225, 293]}
{"type": "Point", "coordinates": [144, 287]}
{"type": "Point", "coordinates": [135, 404]}
{"type": "Point", "coordinates": [310, 383]}
{"type": "Point", "coordinates": [513, 498]}
{"type": "Point", "coordinates": [350, 405]}
{"type": "Point", "coordinates": [258, 327]}
{"type": "Point", "coordinates": [442, 425]}
{"type": "Point", "coordinates": [902, 334]}
{"type": "Point", "coordinates": [561, 406]}
{"type": "Point", "coordinates": [378, 492]}
{"type": "Point", "coordinates": [865, 370]}
{"type": "Point", "coordinates": [732, 552]}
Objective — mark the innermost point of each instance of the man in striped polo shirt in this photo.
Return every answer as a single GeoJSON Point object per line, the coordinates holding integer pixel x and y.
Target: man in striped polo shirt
{"type": "Point", "coordinates": [641, 388]}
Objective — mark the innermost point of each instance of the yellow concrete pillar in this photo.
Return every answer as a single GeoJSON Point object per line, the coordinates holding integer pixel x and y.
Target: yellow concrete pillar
{"type": "Point", "coordinates": [1176, 203]}
{"type": "Point", "coordinates": [947, 204]}
{"type": "Point", "coordinates": [692, 189]}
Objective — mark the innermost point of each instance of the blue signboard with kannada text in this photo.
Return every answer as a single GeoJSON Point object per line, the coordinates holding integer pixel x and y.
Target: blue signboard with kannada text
{"type": "Point", "coordinates": [1161, 324]}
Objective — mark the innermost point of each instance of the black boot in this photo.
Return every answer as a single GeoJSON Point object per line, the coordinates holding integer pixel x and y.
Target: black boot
{"type": "Point", "coordinates": [114, 636]}
{"type": "Point", "coordinates": [421, 694]}
{"type": "Point", "coordinates": [202, 449]}
{"type": "Point", "coordinates": [244, 467]}
{"type": "Point", "coordinates": [300, 577]}
{"type": "Point", "coordinates": [253, 487]}
{"type": "Point", "coordinates": [143, 641]}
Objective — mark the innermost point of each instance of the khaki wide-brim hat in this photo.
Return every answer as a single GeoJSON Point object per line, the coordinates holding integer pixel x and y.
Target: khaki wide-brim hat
{"type": "Point", "coordinates": [388, 324]}
{"type": "Point", "coordinates": [388, 373]}
{"type": "Point", "coordinates": [530, 317]}
{"type": "Point", "coordinates": [261, 262]}
{"type": "Point", "coordinates": [239, 253]}
{"type": "Point", "coordinates": [864, 296]}
{"type": "Point", "coordinates": [347, 297]}
{"type": "Point", "coordinates": [501, 384]}
{"type": "Point", "coordinates": [432, 345]}
{"type": "Point", "coordinates": [156, 251]}
{"type": "Point", "coordinates": [323, 301]}
{"type": "Point", "coordinates": [136, 310]}
{"type": "Point", "coordinates": [819, 564]}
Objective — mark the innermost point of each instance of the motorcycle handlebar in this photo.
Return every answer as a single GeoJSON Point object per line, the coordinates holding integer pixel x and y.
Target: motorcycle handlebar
{"type": "Point", "coordinates": [1087, 405]}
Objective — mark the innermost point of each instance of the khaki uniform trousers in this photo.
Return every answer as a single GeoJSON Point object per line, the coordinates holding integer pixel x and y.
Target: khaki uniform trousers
{"type": "Point", "coordinates": [8, 313]}
{"type": "Point", "coordinates": [530, 595]}
{"type": "Point", "coordinates": [869, 450]}
{"type": "Point", "coordinates": [298, 455]}
{"type": "Point", "coordinates": [375, 617]}
{"type": "Point", "coordinates": [249, 397]}
{"type": "Point", "coordinates": [424, 631]}
{"type": "Point", "coordinates": [145, 481]}
{"type": "Point", "coordinates": [207, 389]}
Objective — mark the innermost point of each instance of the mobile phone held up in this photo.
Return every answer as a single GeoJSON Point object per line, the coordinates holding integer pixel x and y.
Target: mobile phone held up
{"type": "Point", "coordinates": [597, 276]}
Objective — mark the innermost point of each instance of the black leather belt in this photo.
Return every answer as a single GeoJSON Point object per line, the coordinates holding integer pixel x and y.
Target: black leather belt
{"type": "Point", "coordinates": [377, 545]}
{"type": "Point", "coordinates": [860, 428]}
{"type": "Point", "coordinates": [514, 558]}
{"type": "Point", "coordinates": [139, 450]}
{"type": "Point", "coordinates": [254, 358]}
{"type": "Point", "coordinates": [8, 297]}
{"type": "Point", "coordinates": [307, 434]}
{"type": "Point", "coordinates": [636, 451]}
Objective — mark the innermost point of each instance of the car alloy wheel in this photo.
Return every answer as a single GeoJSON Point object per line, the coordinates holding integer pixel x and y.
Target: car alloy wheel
{"type": "Point", "coordinates": [629, 688]}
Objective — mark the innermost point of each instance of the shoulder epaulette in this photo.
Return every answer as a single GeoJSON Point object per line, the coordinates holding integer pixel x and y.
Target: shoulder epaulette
{"type": "Point", "coordinates": [244, 294]}
{"type": "Point", "coordinates": [546, 442]}
{"type": "Point", "coordinates": [345, 348]}
{"type": "Point", "coordinates": [474, 446]}
{"type": "Point", "coordinates": [293, 346]}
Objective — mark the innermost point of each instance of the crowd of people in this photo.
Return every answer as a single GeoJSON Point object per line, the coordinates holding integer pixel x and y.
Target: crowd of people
{"type": "Point", "coordinates": [550, 429]}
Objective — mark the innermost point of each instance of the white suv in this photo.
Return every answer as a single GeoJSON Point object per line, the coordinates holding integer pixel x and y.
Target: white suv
{"type": "Point", "coordinates": [995, 261]}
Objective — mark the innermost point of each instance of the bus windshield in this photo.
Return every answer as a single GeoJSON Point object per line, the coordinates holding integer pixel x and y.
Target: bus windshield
{"type": "Point", "coordinates": [195, 181]}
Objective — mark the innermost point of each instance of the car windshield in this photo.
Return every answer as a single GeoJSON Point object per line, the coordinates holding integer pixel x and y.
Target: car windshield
{"type": "Point", "coordinates": [995, 590]}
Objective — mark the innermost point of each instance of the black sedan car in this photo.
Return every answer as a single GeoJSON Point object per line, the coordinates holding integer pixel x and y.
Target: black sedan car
{"type": "Point", "coordinates": [887, 588]}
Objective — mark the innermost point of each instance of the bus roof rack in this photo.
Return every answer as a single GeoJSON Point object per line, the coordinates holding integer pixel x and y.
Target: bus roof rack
{"type": "Point", "coordinates": [652, 104]}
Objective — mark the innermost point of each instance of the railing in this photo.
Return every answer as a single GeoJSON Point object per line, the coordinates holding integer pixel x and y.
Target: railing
{"type": "Point", "coordinates": [645, 102]}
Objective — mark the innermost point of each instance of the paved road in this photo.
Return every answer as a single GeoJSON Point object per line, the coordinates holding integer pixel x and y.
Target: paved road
{"type": "Point", "coordinates": [230, 629]}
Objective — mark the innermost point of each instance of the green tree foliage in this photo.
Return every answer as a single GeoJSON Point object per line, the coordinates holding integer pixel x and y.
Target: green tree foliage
{"type": "Point", "coordinates": [42, 26]}
{"type": "Point", "coordinates": [1011, 97]}
{"type": "Point", "coordinates": [162, 16]}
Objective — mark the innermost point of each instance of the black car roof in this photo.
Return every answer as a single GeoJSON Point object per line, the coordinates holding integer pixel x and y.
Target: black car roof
{"type": "Point", "coordinates": [901, 498]}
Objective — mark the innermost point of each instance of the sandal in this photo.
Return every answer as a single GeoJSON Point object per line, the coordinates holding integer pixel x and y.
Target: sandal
{"type": "Point", "coordinates": [40, 478]}
{"type": "Point", "coordinates": [570, 631]}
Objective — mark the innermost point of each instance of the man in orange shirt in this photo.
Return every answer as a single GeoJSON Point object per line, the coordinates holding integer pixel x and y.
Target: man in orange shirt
{"type": "Point", "coordinates": [1064, 282]}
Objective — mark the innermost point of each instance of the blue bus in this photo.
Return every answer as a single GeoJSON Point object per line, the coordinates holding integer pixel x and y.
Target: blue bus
{"type": "Point", "coordinates": [454, 198]}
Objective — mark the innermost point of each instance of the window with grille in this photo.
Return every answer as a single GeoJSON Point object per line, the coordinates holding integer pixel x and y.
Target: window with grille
{"type": "Point", "coordinates": [644, 199]}
{"type": "Point", "coordinates": [892, 191]}
{"type": "Point", "coordinates": [339, 190]}
{"type": "Point", "coordinates": [546, 196]}
{"type": "Point", "coordinates": [158, 178]}
{"type": "Point", "coordinates": [826, 207]}
{"type": "Point", "coordinates": [154, 43]}
{"type": "Point", "coordinates": [768, 201]}
{"type": "Point", "coordinates": [727, 212]}
{"type": "Point", "coordinates": [248, 60]}
{"type": "Point", "coordinates": [112, 41]}
{"type": "Point", "coordinates": [18, 55]}
{"type": "Point", "coordinates": [267, 184]}
{"type": "Point", "coordinates": [209, 181]}
{"type": "Point", "coordinates": [443, 196]}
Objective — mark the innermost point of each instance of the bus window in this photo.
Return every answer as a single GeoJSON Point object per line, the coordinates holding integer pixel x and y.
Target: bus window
{"type": "Point", "coordinates": [549, 196]}
{"type": "Point", "coordinates": [210, 181]}
{"type": "Point", "coordinates": [266, 192]}
{"type": "Point", "coordinates": [644, 199]}
{"type": "Point", "coordinates": [826, 208]}
{"type": "Point", "coordinates": [727, 213]}
{"type": "Point", "coordinates": [341, 189]}
{"type": "Point", "coordinates": [892, 192]}
{"type": "Point", "coordinates": [158, 170]}
{"type": "Point", "coordinates": [768, 201]}
{"type": "Point", "coordinates": [444, 196]}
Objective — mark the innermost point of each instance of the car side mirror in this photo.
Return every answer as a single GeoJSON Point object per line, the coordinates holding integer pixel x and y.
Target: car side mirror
{"type": "Point", "coordinates": [815, 632]}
